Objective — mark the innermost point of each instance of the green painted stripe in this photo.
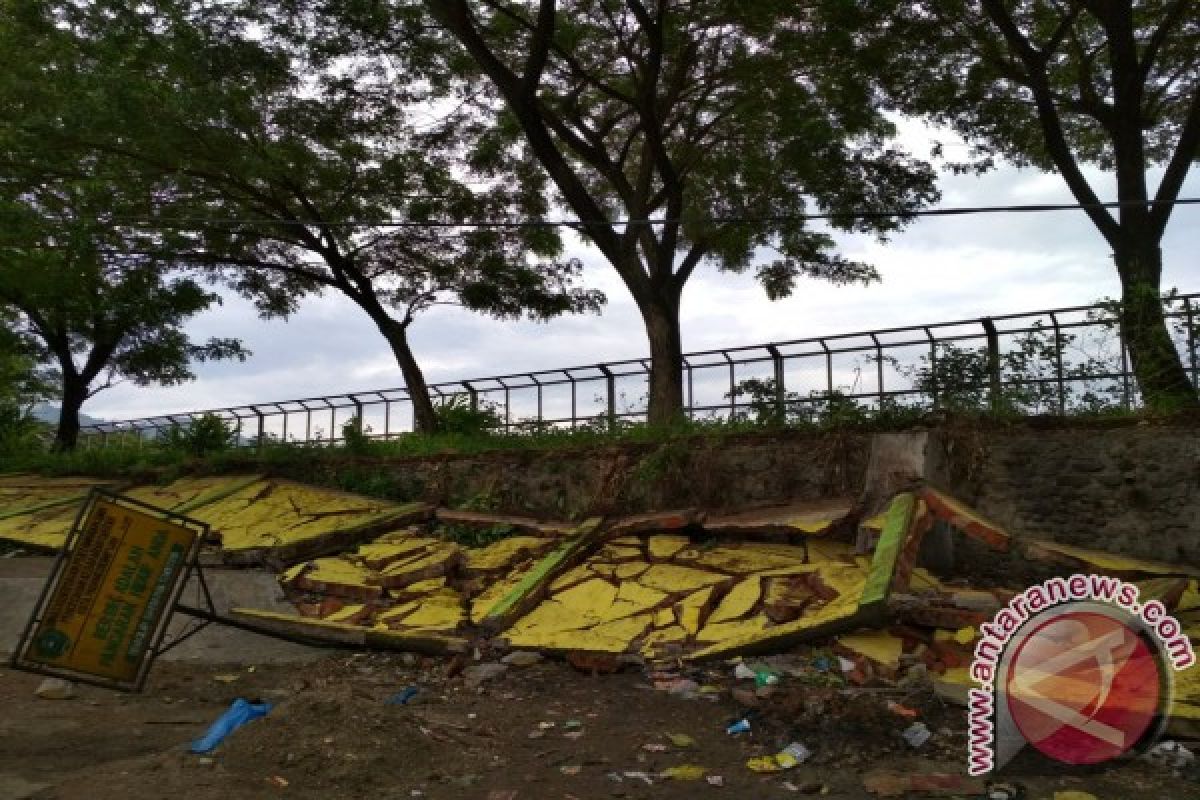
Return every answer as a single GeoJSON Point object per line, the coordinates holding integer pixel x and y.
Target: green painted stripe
{"type": "Point", "coordinates": [62, 501]}
{"type": "Point", "coordinates": [887, 551]}
{"type": "Point", "coordinates": [545, 571]}
{"type": "Point", "coordinates": [216, 495]}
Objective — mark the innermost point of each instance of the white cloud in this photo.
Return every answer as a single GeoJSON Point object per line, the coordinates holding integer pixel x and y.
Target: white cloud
{"type": "Point", "coordinates": [941, 268]}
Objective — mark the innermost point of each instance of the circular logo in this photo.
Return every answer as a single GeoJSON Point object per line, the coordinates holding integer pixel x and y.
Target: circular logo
{"type": "Point", "coordinates": [1084, 687]}
{"type": "Point", "coordinates": [52, 644]}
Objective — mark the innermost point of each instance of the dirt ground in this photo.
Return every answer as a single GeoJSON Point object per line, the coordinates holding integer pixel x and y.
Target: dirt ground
{"type": "Point", "coordinates": [544, 731]}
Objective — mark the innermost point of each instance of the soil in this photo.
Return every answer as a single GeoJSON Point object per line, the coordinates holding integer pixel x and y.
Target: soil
{"type": "Point", "coordinates": [544, 731]}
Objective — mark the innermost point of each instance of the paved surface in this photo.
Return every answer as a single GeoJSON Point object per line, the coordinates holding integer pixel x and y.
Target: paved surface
{"type": "Point", "coordinates": [21, 581]}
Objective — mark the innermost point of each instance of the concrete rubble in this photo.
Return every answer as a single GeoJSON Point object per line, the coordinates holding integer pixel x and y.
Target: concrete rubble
{"type": "Point", "coordinates": [664, 589]}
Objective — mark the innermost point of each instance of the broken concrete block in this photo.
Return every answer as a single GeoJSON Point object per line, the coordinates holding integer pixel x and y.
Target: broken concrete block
{"type": "Point", "coordinates": [522, 658]}
{"type": "Point", "coordinates": [389, 549]}
{"type": "Point", "coordinates": [503, 554]}
{"type": "Point", "coordinates": [334, 576]}
{"type": "Point", "coordinates": [352, 614]}
{"type": "Point", "coordinates": [879, 647]}
{"type": "Point", "coordinates": [657, 521]}
{"type": "Point", "coordinates": [965, 519]}
{"type": "Point", "coordinates": [433, 562]}
{"type": "Point", "coordinates": [478, 674]}
{"type": "Point", "coordinates": [322, 631]}
{"type": "Point", "coordinates": [1100, 562]}
{"type": "Point", "coordinates": [485, 521]}
{"type": "Point", "coordinates": [55, 689]}
{"type": "Point", "coordinates": [786, 596]}
{"type": "Point", "coordinates": [807, 519]}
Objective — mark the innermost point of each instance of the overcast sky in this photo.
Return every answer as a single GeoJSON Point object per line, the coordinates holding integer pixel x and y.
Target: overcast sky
{"type": "Point", "coordinates": [937, 269]}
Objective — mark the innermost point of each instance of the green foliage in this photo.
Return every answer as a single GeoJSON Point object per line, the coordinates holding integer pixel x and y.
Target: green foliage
{"type": "Point", "coordinates": [666, 461]}
{"type": "Point", "coordinates": [475, 536]}
{"type": "Point", "coordinates": [456, 415]}
{"type": "Point", "coordinates": [20, 433]}
{"type": "Point", "coordinates": [355, 437]}
{"type": "Point", "coordinates": [1059, 86]}
{"type": "Point", "coordinates": [206, 434]}
{"type": "Point", "coordinates": [819, 410]}
{"type": "Point", "coordinates": [710, 116]}
{"type": "Point", "coordinates": [959, 379]}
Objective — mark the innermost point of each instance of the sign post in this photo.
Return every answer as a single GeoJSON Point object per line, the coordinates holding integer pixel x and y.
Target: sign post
{"type": "Point", "coordinates": [103, 613]}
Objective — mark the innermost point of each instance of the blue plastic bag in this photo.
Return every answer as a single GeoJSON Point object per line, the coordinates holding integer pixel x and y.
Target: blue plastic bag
{"type": "Point", "coordinates": [402, 698]}
{"type": "Point", "coordinates": [239, 713]}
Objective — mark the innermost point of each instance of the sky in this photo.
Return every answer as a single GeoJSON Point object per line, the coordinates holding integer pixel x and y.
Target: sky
{"type": "Point", "coordinates": [936, 269]}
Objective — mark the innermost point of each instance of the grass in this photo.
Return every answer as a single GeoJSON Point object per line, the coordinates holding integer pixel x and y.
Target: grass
{"type": "Point", "coordinates": [163, 462]}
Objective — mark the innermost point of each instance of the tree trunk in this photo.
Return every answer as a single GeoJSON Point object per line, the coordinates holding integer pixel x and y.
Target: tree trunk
{"type": "Point", "coordinates": [661, 315]}
{"type": "Point", "coordinates": [396, 333]}
{"type": "Point", "coordinates": [74, 394]}
{"type": "Point", "coordinates": [1156, 363]}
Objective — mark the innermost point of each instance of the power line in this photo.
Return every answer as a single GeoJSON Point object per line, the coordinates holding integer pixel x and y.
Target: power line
{"type": "Point", "coordinates": [193, 222]}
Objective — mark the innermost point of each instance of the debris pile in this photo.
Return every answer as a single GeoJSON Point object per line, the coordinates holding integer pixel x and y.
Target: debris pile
{"type": "Point", "coordinates": [658, 589]}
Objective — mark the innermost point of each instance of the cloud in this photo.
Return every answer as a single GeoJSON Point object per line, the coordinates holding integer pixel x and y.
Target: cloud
{"type": "Point", "coordinates": [940, 268]}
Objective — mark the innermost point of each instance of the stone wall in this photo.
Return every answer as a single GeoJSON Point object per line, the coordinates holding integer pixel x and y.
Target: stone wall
{"type": "Point", "coordinates": [715, 473]}
{"type": "Point", "coordinates": [1127, 488]}
{"type": "Point", "coordinates": [1131, 489]}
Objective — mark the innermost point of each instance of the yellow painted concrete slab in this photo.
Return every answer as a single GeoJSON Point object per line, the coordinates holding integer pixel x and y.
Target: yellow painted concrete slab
{"type": "Point", "coordinates": [841, 610]}
{"type": "Point", "coordinates": [590, 597]}
{"type": "Point", "coordinates": [335, 576]}
{"type": "Point", "coordinates": [46, 529]}
{"type": "Point", "coordinates": [878, 646]}
{"type": "Point", "coordinates": [493, 593]}
{"type": "Point", "coordinates": [20, 493]}
{"type": "Point", "coordinates": [745, 558]}
{"type": "Point", "coordinates": [1106, 562]}
{"type": "Point", "coordinates": [275, 512]}
{"type": "Point", "coordinates": [387, 550]}
{"type": "Point", "coordinates": [192, 493]}
{"type": "Point", "coordinates": [714, 632]}
{"type": "Point", "coordinates": [740, 600]}
{"type": "Point", "coordinates": [691, 610]}
{"type": "Point", "coordinates": [506, 552]}
{"type": "Point", "coordinates": [675, 579]}
{"type": "Point", "coordinates": [663, 547]}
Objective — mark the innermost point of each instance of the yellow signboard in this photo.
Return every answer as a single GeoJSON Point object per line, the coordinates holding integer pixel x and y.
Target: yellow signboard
{"type": "Point", "coordinates": [107, 601]}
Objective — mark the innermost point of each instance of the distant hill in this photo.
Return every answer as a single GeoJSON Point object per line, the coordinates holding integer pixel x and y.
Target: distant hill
{"type": "Point", "coordinates": [49, 413]}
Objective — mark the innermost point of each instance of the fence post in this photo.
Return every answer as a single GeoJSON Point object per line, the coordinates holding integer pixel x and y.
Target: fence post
{"type": "Point", "coordinates": [610, 383]}
{"type": "Point", "coordinates": [878, 369]}
{"type": "Point", "coordinates": [262, 428]}
{"type": "Point", "coordinates": [358, 415]}
{"type": "Point", "coordinates": [993, 362]}
{"type": "Point", "coordinates": [732, 386]}
{"type": "Point", "coordinates": [828, 367]}
{"type": "Point", "coordinates": [1058, 366]}
{"type": "Point", "coordinates": [780, 389]}
{"type": "Point", "coordinates": [1191, 339]}
{"type": "Point", "coordinates": [933, 369]}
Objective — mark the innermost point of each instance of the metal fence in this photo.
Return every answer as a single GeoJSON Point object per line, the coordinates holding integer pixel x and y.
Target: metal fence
{"type": "Point", "coordinates": [1050, 361]}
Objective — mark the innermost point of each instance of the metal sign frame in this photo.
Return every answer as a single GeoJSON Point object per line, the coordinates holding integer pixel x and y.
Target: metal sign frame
{"type": "Point", "coordinates": [162, 615]}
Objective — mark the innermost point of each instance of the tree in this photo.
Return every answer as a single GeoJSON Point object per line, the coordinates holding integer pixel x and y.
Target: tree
{"type": "Point", "coordinates": [311, 175]}
{"type": "Point", "coordinates": [98, 308]}
{"type": "Point", "coordinates": [1059, 84]}
{"type": "Point", "coordinates": [708, 117]}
